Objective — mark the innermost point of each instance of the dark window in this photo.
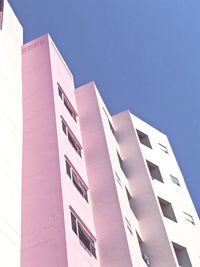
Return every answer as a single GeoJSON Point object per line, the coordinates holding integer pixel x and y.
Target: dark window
{"type": "Point", "coordinates": [79, 186]}
{"type": "Point", "coordinates": [64, 127]}
{"type": "Point", "coordinates": [60, 93]}
{"type": "Point", "coordinates": [144, 139]}
{"type": "Point", "coordinates": [163, 148]}
{"type": "Point", "coordinates": [68, 169]}
{"type": "Point", "coordinates": [142, 250]}
{"type": "Point", "coordinates": [84, 237]}
{"type": "Point", "coordinates": [118, 179]}
{"type": "Point", "coordinates": [74, 144]}
{"type": "Point", "coordinates": [174, 180]}
{"type": "Point", "coordinates": [77, 181]}
{"type": "Point", "coordinates": [121, 163]}
{"type": "Point", "coordinates": [112, 128]}
{"type": "Point", "coordinates": [1, 13]}
{"type": "Point", "coordinates": [74, 225]}
{"type": "Point", "coordinates": [189, 217]}
{"type": "Point", "coordinates": [167, 209]}
{"type": "Point", "coordinates": [67, 103]}
{"type": "Point", "coordinates": [182, 255]}
{"type": "Point", "coordinates": [154, 171]}
{"type": "Point", "coordinates": [128, 225]}
{"type": "Point", "coordinates": [69, 108]}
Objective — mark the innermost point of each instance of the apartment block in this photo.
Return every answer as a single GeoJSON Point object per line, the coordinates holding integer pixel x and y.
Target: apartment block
{"type": "Point", "coordinates": [11, 35]}
{"type": "Point", "coordinates": [143, 213]}
{"type": "Point", "coordinates": [80, 187]}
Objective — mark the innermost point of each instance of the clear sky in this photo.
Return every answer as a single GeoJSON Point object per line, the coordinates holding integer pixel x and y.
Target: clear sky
{"type": "Point", "coordinates": [143, 55]}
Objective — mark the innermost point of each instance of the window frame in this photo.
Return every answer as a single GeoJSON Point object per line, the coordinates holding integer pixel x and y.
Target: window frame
{"type": "Point", "coordinates": [82, 232]}
{"type": "Point", "coordinates": [141, 137]}
{"type": "Point", "coordinates": [67, 103]}
{"type": "Point", "coordinates": [71, 137]}
{"type": "Point", "coordinates": [77, 181]}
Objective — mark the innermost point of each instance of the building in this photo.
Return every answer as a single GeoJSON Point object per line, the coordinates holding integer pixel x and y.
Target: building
{"type": "Point", "coordinates": [11, 35]}
{"type": "Point", "coordinates": [97, 190]}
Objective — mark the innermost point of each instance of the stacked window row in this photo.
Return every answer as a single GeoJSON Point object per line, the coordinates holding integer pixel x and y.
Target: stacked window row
{"type": "Point", "coordinates": [85, 237]}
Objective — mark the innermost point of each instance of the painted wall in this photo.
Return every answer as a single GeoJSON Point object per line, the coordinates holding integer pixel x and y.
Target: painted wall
{"type": "Point", "coordinates": [48, 192]}
{"type": "Point", "coordinates": [109, 224]}
{"type": "Point", "coordinates": [157, 231]}
{"type": "Point", "coordinates": [11, 38]}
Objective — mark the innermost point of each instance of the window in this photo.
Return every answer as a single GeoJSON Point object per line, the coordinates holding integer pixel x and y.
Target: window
{"type": "Point", "coordinates": [1, 13]}
{"type": "Point", "coordinates": [71, 138]}
{"type": "Point", "coordinates": [60, 92]}
{"type": "Point", "coordinates": [64, 127]}
{"type": "Point", "coordinates": [110, 124]}
{"type": "Point", "coordinates": [163, 148]}
{"type": "Point", "coordinates": [141, 244]}
{"type": "Point", "coordinates": [181, 255]}
{"type": "Point", "coordinates": [118, 179]}
{"type": "Point", "coordinates": [121, 163]}
{"type": "Point", "coordinates": [69, 108]}
{"type": "Point", "coordinates": [128, 225]}
{"type": "Point", "coordinates": [174, 180]}
{"type": "Point", "coordinates": [74, 143]}
{"type": "Point", "coordinates": [188, 217]}
{"type": "Point", "coordinates": [112, 128]}
{"type": "Point", "coordinates": [77, 181]}
{"type": "Point", "coordinates": [67, 103]}
{"type": "Point", "coordinates": [85, 239]}
{"type": "Point", "coordinates": [154, 171]}
{"type": "Point", "coordinates": [144, 139]}
{"type": "Point", "coordinates": [167, 209]}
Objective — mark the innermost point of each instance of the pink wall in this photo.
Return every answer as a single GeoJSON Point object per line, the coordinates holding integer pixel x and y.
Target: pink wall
{"type": "Point", "coordinates": [43, 235]}
{"type": "Point", "coordinates": [157, 244]}
{"type": "Point", "coordinates": [48, 192]}
{"type": "Point", "coordinates": [111, 238]}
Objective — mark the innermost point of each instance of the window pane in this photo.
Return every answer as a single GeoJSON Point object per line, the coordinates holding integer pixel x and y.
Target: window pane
{"type": "Point", "coordinates": [74, 225]}
{"type": "Point", "coordinates": [68, 169]}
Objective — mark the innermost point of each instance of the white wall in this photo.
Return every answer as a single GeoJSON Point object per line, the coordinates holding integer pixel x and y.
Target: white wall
{"type": "Point", "coordinates": [10, 138]}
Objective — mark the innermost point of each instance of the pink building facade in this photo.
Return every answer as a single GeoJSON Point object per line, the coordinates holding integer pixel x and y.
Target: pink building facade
{"type": "Point", "coordinates": [97, 190]}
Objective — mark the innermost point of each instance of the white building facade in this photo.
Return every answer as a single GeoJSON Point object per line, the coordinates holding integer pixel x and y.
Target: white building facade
{"type": "Point", "coordinates": [11, 38]}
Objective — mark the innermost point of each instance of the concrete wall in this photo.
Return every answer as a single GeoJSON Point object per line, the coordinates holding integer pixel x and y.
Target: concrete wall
{"type": "Point", "coordinates": [11, 38]}
{"type": "Point", "coordinates": [158, 232]}
{"type": "Point", "coordinates": [49, 194]}
{"type": "Point", "coordinates": [109, 222]}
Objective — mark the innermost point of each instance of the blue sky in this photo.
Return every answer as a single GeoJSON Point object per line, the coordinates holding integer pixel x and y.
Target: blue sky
{"type": "Point", "coordinates": [143, 55]}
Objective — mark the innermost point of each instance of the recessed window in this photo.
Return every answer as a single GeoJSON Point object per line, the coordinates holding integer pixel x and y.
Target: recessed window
{"type": "Point", "coordinates": [144, 255]}
{"type": "Point", "coordinates": [188, 217]}
{"type": "Point", "coordinates": [64, 127]}
{"type": "Point", "coordinates": [67, 103]}
{"type": "Point", "coordinates": [163, 148]}
{"type": "Point", "coordinates": [73, 141]}
{"type": "Point", "coordinates": [128, 225]}
{"type": "Point", "coordinates": [121, 163]}
{"type": "Point", "coordinates": [77, 181]}
{"type": "Point", "coordinates": [60, 93]}
{"type": "Point", "coordinates": [110, 124]}
{"type": "Point", "coordinates": [1, 13]}
{"type": "Point", "coordinates": [167, 209]}
{"type": "Point", "coordinates": [144, 139]}
{"type": "Point", "coordinates": [154, 171]}
{"type": "Point", "coordinates": [175, 180]}
{"type": "Point", "coordinates": [69, 108]}
{"type": "Point", "coordinates": [182, 255]}
{"type": "Point", "coordinates": [118, 179]}
{"type": "Point", "coordinates": [85, 239]}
